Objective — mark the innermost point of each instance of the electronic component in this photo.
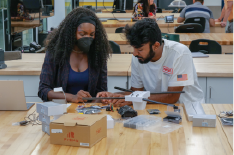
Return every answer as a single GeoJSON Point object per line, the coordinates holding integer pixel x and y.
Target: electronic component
{"type": "Point", "coordinates": [173, 117]}
{"type": "Point", "coordinates": [169, 19]}
{"type": "Point", "coordinates": [153, 111]}
{"type": "Point", "coordinates": [127, 111]}
{"type": "Point", "coordinates": [227, 121]}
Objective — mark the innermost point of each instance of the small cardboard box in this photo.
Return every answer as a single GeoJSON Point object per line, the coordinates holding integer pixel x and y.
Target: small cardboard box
{"type": "Point", "coordinates": [78, 130]}
{"type": "Point", "coordinates": [51, 108]}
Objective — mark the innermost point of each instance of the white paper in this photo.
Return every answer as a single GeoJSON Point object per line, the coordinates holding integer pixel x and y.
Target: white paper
{"type": "Point", "coordinates": [59, 89]}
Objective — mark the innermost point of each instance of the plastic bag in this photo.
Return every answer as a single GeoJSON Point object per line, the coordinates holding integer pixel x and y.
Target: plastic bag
{"type": "Point", "coordinates": [89, 110]}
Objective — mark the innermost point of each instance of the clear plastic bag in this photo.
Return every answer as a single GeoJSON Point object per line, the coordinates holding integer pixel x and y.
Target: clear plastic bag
{"type": "Point", "coordinates": [89, 110]}
{"type": "Point", "coordinates": [163, 127]}
{"type": "Point", "coordinates": [141, 122]}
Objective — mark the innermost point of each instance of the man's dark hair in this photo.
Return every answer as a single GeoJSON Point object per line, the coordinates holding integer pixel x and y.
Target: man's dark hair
{"type": "Point", "coordinates": [199, 1]}
{"type": "Point", "coordinates": [142, 32]}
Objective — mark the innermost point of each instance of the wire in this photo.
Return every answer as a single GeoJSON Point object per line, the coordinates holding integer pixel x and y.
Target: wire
{"type": "Point", "coordinates": [33, 121]}
{"type": "Point", "coordinates": [111, 12]}
{"type": "Point", "coordinates": [159, 18]}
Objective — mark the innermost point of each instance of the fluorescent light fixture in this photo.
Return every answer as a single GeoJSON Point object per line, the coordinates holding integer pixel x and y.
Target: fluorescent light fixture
{"type": "Point", "coordinates": [177, 3]}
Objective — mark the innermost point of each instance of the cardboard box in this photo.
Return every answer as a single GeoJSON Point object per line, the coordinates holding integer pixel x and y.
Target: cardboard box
{"type": "Point", "coordinates": [78, 130]}
{"type": "Point", "coordinates": [51, 108]}
{"type": "Point", "coordinates": [204, 121]}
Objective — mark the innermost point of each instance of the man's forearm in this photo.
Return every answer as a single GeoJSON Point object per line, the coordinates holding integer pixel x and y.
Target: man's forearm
{"type": "Point", "coordinates": [222, 14]}
{"type": "Point", "coordinates": [227, 13]}
{"type": "Point", "coordinates": [165, 98]}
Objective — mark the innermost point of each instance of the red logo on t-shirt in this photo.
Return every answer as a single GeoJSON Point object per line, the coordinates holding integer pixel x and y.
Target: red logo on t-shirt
{"type": "Point", "coordinates": [167, 70]}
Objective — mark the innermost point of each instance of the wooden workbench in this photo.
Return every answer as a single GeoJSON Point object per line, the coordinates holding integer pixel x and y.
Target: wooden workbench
{"type": "Point", "coordinates": [128, 16]}
{"type": "Point", "coordinates": [187, 140]}
{"type": "Point", "coordinates": [131, 11]}
{"type": "Point", "coordinates": [19, 26]}
{"type": "Point", "coordinates": [224, 39]}
{"type": "Point", "coordinates": [111, 25]}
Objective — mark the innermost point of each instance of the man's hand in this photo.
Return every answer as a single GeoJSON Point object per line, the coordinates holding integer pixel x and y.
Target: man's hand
{"type": "Point", "coordinates": [105, 94]}
{"type": "Point", "coordinates": [223, 24]}
{"type": "Point", "coordinates": [217, 20]}
{"type": "Point", "coordinates": [120, 102]}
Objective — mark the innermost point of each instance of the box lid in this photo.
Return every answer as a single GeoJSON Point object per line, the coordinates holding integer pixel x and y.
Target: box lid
{"type": "Point", "coordinates": [72, 119]}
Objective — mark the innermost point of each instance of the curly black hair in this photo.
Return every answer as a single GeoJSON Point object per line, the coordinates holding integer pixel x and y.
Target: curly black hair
{"type": "Point", "coordinates": [61, 41]}
{"type": "Point", "coordinates": [142, 32]}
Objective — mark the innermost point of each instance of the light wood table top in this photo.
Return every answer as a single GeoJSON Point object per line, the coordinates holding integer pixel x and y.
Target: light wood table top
{"type": "Point", "coordinates": [131, 11]}
{"type": "Point", "coordinates": [33, 23]}
{"type": "Point", "coordinates": [185, 38]}
{"type": "Point", "coordinates": [217, 65]}
{"type": "Point", "coordinates": [187, 140]}
{"type": "Point", "coordinates": [161, 23]}
{"type": "Point", "coordinates": [129, 15]}
{"type": "Point", "coordinates": [36, 15]}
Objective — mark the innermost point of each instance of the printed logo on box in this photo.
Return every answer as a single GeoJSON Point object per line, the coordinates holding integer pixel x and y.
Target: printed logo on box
{"type": "Point", "coordinates": [71, 137]}
{"type": "Point", "coordinates": [98, 130]}
{"type": "Point", "coordinates": [79, 118]}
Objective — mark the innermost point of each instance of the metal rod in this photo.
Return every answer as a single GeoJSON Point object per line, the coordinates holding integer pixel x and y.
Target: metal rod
{"type": "Point", "coordinates": [172, 105]}
{"type": "Point", "coordinates": [101, 98]}
{"type": "Point", "coordinates": [127, 90]}
{"type": "Point", "coordinates": [167, 92]}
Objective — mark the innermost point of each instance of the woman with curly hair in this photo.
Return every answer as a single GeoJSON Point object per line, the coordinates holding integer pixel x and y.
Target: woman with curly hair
{"type": "Point", "coordinates": [76, 58]}
{"type": "Point", "coordinates": [144, 9]}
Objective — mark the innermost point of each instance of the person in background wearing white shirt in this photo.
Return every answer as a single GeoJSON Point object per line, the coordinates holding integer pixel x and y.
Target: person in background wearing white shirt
{"type": "Point", "coordinates": [159, 65]}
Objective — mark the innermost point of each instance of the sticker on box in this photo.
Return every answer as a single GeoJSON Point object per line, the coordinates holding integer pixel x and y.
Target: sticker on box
{"type": "Point", "coordinates": [56, 131]}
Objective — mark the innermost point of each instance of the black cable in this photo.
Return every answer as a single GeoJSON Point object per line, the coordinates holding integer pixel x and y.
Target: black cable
{"type": "Point", "coordinates": [107, 10]}
{"type": "Point", "coordinates": [122, 89]}
{"type": "Point", "coordinates": [101, 98]}
{"type": "Point", "coordinates": [159, 18]}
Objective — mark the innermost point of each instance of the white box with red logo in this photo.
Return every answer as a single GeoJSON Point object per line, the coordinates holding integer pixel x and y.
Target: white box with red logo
{"type": "Point", "coordinates": [78, 130]}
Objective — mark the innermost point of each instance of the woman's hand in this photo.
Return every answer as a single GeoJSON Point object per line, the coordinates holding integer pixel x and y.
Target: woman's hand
{"type": "Point", "coordinates": [105, 94]}
{"type": "Point", "coordinates": [217, 20]}
{"type": "Point", "coordinates": [78, 97]}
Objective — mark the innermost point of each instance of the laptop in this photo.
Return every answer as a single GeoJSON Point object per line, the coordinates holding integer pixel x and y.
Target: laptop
{"type": "Point", "coordinates": [12, 96]}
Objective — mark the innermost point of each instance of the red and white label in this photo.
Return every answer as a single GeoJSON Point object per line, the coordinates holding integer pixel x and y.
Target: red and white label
{"type": "Point", "coordinates": [167, 70]}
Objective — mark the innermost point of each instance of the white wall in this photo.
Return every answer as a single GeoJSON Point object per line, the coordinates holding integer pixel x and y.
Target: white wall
{"type": "Point", "coordinates": [59, 10]}
{"type": "Point", "coordinates": [212, 2]}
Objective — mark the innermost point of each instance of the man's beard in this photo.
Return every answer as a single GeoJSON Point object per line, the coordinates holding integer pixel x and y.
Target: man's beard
{"type": "Point", "coordinates": [148, 58]}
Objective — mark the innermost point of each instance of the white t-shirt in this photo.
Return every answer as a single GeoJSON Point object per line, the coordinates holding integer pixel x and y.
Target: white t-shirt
{"type": "Point", "coordinates": [174, 68]}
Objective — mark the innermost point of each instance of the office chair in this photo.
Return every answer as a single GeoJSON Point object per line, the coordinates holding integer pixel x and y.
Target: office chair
{"type": "Point", "coordinates": [212, 47]}
{"type": "Point", "coordinates": [159, 10]}
{"type": "Point", "coordinates": [189, 28]}
{"type": "Point", "coordinates": [119, 30]}
{"type": "Point", "coordinates": [198, 20]}
{"type": "Point", "coordinates": [115, 47]}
